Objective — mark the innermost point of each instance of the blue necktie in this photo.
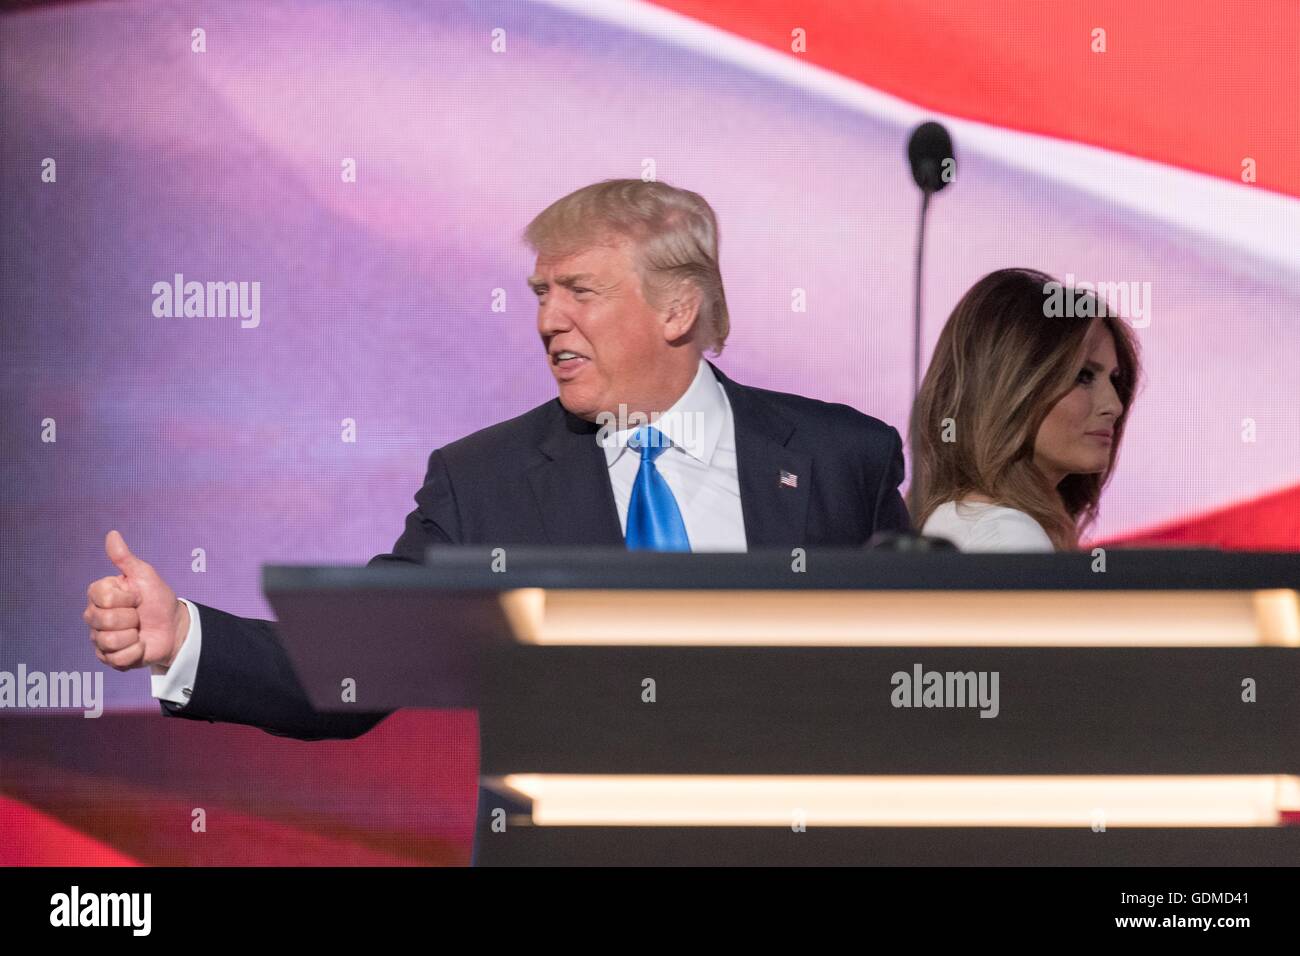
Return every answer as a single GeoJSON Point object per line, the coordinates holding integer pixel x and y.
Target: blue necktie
{"type": "Point", "coordinates": [654, 522]}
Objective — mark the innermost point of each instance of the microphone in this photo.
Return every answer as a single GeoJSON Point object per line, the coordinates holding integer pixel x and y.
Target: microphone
{"type": "Point", "coordinates": [899, 541]}
{"type": "Point", "coordinates": [929, 148]}
{"type": "Point", "coordinates": [930, 154]}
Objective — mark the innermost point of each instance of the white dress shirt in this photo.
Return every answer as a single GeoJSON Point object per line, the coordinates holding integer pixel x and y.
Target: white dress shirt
{"type": "Point", "coordinates": [700, 469]}
{"type": "Point", "coordinates": [176, 682]}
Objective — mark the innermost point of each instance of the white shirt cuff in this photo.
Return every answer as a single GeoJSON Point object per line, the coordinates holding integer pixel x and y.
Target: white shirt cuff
{"type": "Point", "coordinates": [176, 683]}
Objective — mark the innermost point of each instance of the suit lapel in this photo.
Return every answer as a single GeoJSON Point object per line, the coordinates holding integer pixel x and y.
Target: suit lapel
{"type": "Point", "coordinates": [572, 485]}
{"type": "Point", "coordinates": [576, 500]}
{"type": "Point", "coordinates": [776, 514]}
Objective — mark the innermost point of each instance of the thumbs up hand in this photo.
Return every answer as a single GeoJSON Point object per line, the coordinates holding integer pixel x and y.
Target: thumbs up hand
{"type": "Point", "coordinates": [134, 616]}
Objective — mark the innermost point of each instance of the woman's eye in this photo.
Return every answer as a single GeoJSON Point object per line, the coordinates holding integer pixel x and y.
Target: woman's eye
{"type": "Point", "coordinates": [1086, 376]}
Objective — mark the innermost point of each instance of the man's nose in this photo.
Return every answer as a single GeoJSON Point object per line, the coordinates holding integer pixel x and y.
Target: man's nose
{"type": "Point", "coordinates": [552, 317]}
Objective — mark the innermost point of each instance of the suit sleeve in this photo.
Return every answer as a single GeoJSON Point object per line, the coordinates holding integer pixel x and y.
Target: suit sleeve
{"type": "Point", "coordinates": [890, 511]}
{"type": "Point", "coordinates": [435, 519]}
{"type": "Point", "coordinates": [244, 675]}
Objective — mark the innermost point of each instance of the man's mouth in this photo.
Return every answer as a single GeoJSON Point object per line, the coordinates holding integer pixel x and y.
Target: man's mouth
{"type": "Point", "coordinates": [567, 362]}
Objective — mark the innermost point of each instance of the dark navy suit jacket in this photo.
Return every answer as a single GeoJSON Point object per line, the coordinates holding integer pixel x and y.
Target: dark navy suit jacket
{"type": "Point", "coordinates": [542, 479]}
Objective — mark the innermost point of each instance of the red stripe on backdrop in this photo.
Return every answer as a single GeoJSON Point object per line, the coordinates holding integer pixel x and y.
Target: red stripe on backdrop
{"type": "Point", "coordinates": [1199, 85]}
{"type": "Point", "coordinates": [29, 837]}
{"type": "Point", "coordinates": [404, 793]}
{"type": "Point", "coordinates": [1268, 523]}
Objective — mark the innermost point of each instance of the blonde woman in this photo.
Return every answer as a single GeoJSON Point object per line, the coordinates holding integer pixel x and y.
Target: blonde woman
{"type": "Point", "coordinates": [1021, 415]}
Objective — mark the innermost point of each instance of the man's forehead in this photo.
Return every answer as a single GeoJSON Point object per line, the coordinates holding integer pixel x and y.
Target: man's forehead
{"type": "Point", "coordinates": [595, 260]}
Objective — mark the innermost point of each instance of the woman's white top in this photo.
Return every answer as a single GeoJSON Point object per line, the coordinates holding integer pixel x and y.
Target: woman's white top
{"type": "Point", "coordinates": [980, 526]}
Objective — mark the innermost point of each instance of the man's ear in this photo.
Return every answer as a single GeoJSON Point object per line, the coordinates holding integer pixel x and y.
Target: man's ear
{"type": "Point", "coordinates": [683, 311]}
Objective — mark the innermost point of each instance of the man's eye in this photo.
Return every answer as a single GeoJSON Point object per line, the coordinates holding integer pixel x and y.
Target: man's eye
{"type": "Point", "coordinates": [579, 291]}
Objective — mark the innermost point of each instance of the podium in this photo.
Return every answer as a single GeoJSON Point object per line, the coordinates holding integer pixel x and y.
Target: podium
{"type": "Point", "coordinates": [826, 707]}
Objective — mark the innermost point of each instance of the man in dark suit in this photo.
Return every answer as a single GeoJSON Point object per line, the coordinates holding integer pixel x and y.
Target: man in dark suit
{"type": "Point", "coordinates": [648, 445]}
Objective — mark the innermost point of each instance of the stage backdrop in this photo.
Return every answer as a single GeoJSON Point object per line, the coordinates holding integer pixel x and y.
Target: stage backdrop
{"type": "Point", "coordinates": [362, 172]}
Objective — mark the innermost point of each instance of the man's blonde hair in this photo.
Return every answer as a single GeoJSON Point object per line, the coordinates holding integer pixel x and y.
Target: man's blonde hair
{"type": "Point", "coordinates": [674, 236]}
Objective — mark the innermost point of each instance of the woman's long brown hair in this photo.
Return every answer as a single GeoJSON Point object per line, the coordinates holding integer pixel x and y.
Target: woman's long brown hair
{"type": "Point", "coordinates": [1000, 365]}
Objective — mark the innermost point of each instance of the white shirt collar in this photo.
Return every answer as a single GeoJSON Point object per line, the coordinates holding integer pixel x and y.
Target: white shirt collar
{"type": "Point", "coordinates": [694, 423]}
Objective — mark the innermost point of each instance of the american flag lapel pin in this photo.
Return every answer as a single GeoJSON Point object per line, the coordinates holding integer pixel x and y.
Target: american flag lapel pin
{"type": "Point", "coordinates": [789, 479]}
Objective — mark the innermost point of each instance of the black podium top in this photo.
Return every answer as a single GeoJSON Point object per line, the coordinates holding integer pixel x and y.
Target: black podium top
{"type": "Point", "coordinates": [479, 568]}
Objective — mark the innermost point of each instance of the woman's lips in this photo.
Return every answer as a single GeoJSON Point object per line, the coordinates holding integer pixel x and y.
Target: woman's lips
{"type": "Point", "coordinates": [1107, 437]}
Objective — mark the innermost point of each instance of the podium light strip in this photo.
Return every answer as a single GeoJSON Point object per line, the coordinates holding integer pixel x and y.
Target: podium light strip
{"type": "Point", "coordinates": [907, 801]}
{"type": "Point", "coordinates": [825, 618]}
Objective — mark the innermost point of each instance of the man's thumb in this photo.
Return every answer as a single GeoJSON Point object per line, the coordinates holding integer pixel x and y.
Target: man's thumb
{"type": "Point", "coordinates": [121, 555]}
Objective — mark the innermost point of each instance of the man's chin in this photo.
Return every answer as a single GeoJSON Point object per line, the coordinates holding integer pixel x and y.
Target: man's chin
{"type": "Point", "coordinates": [576, 403]}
